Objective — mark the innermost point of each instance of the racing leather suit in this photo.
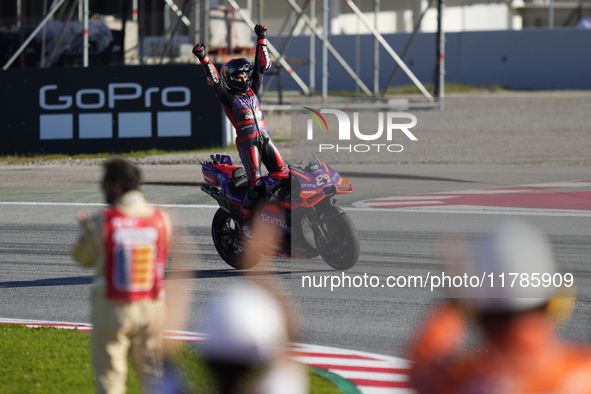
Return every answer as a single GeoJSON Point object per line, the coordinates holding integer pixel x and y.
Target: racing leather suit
{"type": "Point", "coordinates": [244, 111]}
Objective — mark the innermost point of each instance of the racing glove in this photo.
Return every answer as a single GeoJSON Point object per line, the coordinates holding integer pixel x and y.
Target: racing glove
{"type": "Point", "coordinates": [199, 51]}
{"type": "Point", "coordinates": [260, 31]}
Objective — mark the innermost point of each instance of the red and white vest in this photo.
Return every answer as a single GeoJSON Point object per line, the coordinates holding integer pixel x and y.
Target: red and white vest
{"type": "Point", "coordinates": [135, 256]}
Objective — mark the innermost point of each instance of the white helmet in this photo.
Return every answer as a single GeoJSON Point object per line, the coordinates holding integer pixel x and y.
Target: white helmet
{"type": "Point", "coordinates": [246, 325]}
{"type": "Point", "coordinates": [511, 248]}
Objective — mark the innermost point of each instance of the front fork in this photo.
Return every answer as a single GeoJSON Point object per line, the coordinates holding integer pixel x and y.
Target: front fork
{"type": "Point", "coordinates": [315, 217]}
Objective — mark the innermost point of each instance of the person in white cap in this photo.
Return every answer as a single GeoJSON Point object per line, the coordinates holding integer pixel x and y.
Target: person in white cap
{"type": "Point", "coordinates": [520, 351]}
{"type": "Point", "coordinates": [248, 336]}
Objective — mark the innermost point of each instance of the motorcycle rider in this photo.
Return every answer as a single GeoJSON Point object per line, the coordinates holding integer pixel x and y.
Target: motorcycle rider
{"type": "Point", "coordinates": [237, 89]}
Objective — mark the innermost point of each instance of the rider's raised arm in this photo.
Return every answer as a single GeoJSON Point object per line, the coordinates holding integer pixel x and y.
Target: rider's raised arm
{"type": "Point", "coordinates": [213, 78]}
{"type": "Point", "coordinates": [262, 60]}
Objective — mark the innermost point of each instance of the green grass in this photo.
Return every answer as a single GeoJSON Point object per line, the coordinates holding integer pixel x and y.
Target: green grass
{"type": "Point", "coordinates": [18, 159]}
{"type": "Point", "coordinates": [47, 360]}
{"type": "Point", "coordinates": [319, 385]}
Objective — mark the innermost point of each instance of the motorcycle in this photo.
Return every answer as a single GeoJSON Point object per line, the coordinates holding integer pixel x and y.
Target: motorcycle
{"type": "Point", "coordinates": [298, 211]}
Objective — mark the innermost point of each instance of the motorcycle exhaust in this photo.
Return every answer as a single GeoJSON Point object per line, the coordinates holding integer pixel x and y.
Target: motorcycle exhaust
{"type": "Point", "coordinates": [212, 191]}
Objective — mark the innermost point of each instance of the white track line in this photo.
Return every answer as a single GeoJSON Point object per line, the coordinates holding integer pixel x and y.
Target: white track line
{"type": "Point", "coordinates": [481, 211]}
{"type": "Point", "coordinates": [98, 204]}
{"type": "Point", "coordinates": [485, 211]}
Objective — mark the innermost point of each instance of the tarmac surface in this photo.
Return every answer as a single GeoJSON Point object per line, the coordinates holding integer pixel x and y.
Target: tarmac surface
{"type": "Point", "coordinates": [476, 143]}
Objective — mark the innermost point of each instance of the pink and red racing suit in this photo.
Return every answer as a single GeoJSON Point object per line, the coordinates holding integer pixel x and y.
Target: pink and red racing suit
{"type": "Point", "coordinates": [253, 141]}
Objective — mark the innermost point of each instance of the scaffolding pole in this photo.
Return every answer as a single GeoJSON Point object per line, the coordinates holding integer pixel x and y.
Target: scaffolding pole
{"type": "Point", "coordinates": [357, 52]}
{"type": "Point", "coordinates": [204, 21]}
{"type": "Point", "coordinates": [21, 25]}
{"type": "Point", "coordinates": [324, 52]}
{"type": "Point", "coordinates": [328, 46]}
{"type": "Point", "coordinates": [173, 28]}
{"type": "Point", "coordinates": [19, 14]}
{"type": "Point", "coordinates": [376, 50]}
{"type": "Point", "coordinates": [73, 7]}
{"type": "Point", "coordinates": [178, 12]}
{"type": "Point", "coordinates": [281, 60]}
{"type": "Point", "coordinates": [141, 28]}
{"type": "Point", "coordinates": [164, 43]}
{"type": "Point", "coordinates": [28, 40]}
{"type": "Point", "coordinates": [312, 48]}
{"type": "Point", "coordinates": [285, 22]}
{"type": "Point", "coordinates": [86, 43]}
{"type": "Point", "coordinates": [406, 49]}
{"type": "Point", "coordinates": [134, 11]}
{"type": "Point", "coordinates": [43, 37]}
{"type": "Point", "coordinates": [194, 31]}
{"type": "Point", "coordinates": [390, 50]}
{"type": "Point", "coordinates": [440, 82]}
{"type": "Point", "coordinates": [285, 45]}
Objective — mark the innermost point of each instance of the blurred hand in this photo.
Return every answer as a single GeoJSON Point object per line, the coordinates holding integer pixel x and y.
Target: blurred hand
{"type": "Point", "coordinates": [199, 51]}
{"type": "Point", "coordinates": [260, 31]}
{"type": "Point", "coordinates": [82, 216]}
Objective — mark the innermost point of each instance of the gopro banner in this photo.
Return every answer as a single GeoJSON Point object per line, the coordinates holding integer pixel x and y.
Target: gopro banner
{"type": "Point", "coordinates": [107, 109]}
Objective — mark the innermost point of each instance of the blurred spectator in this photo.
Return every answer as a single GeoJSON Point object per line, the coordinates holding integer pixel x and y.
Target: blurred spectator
{"type": "Point", "coordinates": [519, 351]}
{"type": "Point", "coordinates": [247, 348]}
{"type": "Point", "coordinates": [128, 244]}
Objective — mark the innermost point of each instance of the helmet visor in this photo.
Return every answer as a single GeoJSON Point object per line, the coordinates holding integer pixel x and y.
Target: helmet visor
{"type": "Point", "coordinates": [239, 73]}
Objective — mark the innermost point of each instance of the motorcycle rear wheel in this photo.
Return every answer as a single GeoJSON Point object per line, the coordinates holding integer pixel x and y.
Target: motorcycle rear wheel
{"type": "Point", "coordinates": [342, 250]}
{"type": "Point", "coordinates": [224, 231]}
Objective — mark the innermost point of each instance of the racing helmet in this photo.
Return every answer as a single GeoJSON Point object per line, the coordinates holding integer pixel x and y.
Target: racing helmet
{"type": "Point", "coordinates": [231, 70]}
{"type": "Point", "coordinates": [246, 326]}
{"type": "Point", "coordinates": [511, 250]}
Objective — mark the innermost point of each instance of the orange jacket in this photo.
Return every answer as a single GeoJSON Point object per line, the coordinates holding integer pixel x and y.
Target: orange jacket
{"type": "Point", "coordinates": [524, 356]}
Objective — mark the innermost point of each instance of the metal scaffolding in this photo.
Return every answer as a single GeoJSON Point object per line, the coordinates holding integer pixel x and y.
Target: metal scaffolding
{"type": "Point", "coordinates": [389, 49]}
{"type": "Point", "coordinates": [195, 14]}
{"type": "Point", "coordinates": [328, 47]}
{"type": "Point", "coordinates": [323, 36]}
{"type": "Point", "coordinates": [32, 35]}
{"type": "Point", "coordinates": [274, 51]}
{"type": "Point", "coordinates": [416, 29]}
{"type": "Point", "coordinates": [55, 6]}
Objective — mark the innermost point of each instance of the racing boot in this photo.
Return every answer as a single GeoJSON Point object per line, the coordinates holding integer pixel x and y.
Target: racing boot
{"type": "Point", "coordinates": [249, 202]}
{"type": "Point", "coordinates": [245, 222]}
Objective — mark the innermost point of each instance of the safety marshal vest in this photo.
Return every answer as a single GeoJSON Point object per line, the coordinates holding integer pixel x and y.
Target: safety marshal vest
{"type": "Point", "coordinates": [135, 256]}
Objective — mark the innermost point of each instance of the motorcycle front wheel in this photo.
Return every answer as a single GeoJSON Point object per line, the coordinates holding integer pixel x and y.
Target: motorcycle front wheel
{"type": "Point", "coordinates": [225, 234]}
{"type": "Point", "coordinates": [341, 251]}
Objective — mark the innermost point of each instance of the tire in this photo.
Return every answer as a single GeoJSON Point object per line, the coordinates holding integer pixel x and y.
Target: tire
{"type": "Point", "coordinates": [342, 250]}
{"type": "Point", "coordinates": [224, 231]}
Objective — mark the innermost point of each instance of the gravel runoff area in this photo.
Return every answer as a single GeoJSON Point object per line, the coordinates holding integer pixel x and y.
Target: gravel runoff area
{"type": "Point", "coordinates": [507, 127]}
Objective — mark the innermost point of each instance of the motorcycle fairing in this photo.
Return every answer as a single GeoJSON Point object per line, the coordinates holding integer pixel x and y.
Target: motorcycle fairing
{"type": "Point", "coordinates": [277, 221]}
{"type": "Point", "coordinates": [225, 175]}
{"type": "Point", "coordinates": [319, 182]}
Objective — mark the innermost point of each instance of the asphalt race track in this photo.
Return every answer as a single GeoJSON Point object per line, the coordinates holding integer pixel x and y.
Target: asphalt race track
{"type": "Point", "coordinates": [398, 237]}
